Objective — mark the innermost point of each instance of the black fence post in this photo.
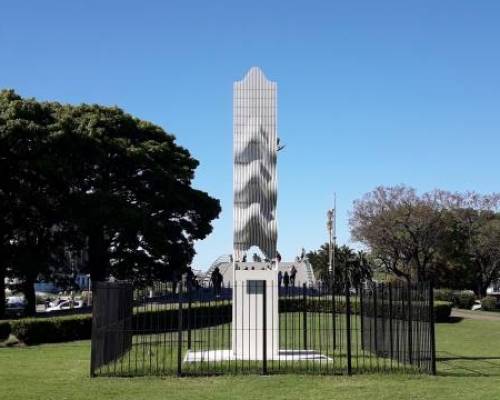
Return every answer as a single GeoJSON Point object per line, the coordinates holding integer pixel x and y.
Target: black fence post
{"type": "Point", "coordinates": [94, 334]}
{"type": "Point", "coordinates": [391, 333]}
{"type": "Point", "coordinates": [334, 319]}
{"type": "Point", "coordinates": [264, 328]}
{"type": "Point", "coordinates": [362, 317]}
{"type": "Point", "coordinates": [375, 320]}
{"type": "Point", "coordinates": [348, 327]}
{"type": "Point", "coordinates": [304, 315]}
{"type": "Point", "coordinates": [179, 331]}
{"type": "Point", "coordinates": [189, 288]}
{"type": "Point", "coordinates": [410, 326]}
{"type": "Point", "coordinates": [432, 329]}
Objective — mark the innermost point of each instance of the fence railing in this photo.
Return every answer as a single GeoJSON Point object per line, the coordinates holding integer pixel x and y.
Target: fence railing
{"type": "Point", "coordinates": [176, 329]}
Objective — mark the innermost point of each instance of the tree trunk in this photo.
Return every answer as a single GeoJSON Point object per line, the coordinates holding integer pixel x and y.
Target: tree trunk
{"type": "Point", "coordinates": [98, 255]}
{"type": "Point", "coordinates": [482, 290]}
{"type": "Point", "coordinates": [2, 292]}
{"type": "Point", "coordinates": [29, 295]}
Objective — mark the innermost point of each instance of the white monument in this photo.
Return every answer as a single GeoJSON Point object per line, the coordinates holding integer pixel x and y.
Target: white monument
{"type": "Point", "coordinates": [255, 146]}
{"type": "Point", "coordinates": [255, 295]}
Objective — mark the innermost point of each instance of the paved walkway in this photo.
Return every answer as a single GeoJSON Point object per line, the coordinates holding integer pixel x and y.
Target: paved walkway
{"type": "Point", "coordinates": [476, 315]}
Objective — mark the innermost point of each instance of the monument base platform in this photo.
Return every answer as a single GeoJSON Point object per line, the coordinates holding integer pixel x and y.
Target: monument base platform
{"type": "Point", "coordinates": [228, 355]}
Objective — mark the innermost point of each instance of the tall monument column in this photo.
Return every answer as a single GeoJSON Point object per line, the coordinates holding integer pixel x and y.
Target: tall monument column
{"type": "Point", "coordinates": [255, 325]}
{"type": "Point", "coordinates": [254, 168]}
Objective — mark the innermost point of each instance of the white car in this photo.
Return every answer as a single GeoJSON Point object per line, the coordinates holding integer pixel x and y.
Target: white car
{"type": "Point", "coordinates": [65, 305]}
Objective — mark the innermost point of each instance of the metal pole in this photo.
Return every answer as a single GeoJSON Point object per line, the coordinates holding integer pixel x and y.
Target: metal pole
{"type": "Point", "coordinates": [189, 288]}
{"type": "Point", "coordinates": [410, 326]}
{"type": "Point", "coordinates": [179, 332]}
{"type": "Point", "coordinates": [264, 328]}
{"type": "Point", "coordinates": [348, 327]}
{"type": "Point", "coordinates": [432, 329]}
{"type": "Point", "coordinates": [331, 225]}
{"type": "Point", "coordinates": [391, 333]}
{"type": "Point", "coordinates": [304, 315]}
{"type": "Point", "coordinates": [375, 317]}
{"type": "Point", "coordinates": [334, 232]}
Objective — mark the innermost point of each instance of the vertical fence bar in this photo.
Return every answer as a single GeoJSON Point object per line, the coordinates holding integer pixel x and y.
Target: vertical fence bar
{"type": "Point", "coordinates": [334, 322]}
{"type": "Point", "coordinates": [391, 333]}
{"type": "Point", "coordinates": [179, 332]}
{"type": "Point", "coordinates": [362, 316]}
{"type": "Point", "coordinates": [432, 329]}
{"type": "Point", "coordinates": [189, 288]}
{"type": "Point", "coordinates": [410, 325]}
{"type": "Point", "coordinates": [264, 328]}
{"type": "Point", "coordinates": [95, 340]}
{"type": "Point", "coordinates": [348, 327]}
{"type": "Point", "coordinates": [375, 318]}
{"type": "Point", "coordinates": [304, 315]}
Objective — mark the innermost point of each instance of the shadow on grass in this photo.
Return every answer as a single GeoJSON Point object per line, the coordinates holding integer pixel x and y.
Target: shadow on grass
{"type": "Point", "coordinates": [451, 320]}
{"type": "Point", "coordinates": [465, 366]}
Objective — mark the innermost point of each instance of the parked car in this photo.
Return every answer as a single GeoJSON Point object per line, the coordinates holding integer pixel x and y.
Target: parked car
{"type": "Point", "coordinates": [477, 305]}
{"type": "Point", "coordinates": [15, 307]}
{"type": "Point", "coordinates": [65, 305]}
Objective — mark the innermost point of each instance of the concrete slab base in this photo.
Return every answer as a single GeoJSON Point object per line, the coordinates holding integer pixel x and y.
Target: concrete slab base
{"type": "Point", "coordinates": [228, 355]}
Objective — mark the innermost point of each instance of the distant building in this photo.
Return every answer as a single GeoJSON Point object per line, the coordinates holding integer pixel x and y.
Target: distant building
{"type": "Point", "coordinates": [494, 288]}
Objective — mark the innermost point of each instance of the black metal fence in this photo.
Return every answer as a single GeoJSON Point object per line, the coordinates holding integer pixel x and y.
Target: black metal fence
{"type": "Point", "coordinates": [171, 329]}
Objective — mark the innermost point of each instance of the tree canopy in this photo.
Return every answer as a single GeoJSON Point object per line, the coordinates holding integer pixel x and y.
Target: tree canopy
{"type": "Point", "coordinates": [96, 179]}
{"type": "Point", "coordinates": [349, 266]}
{"type": "Point", "coordinates": [452, 238]}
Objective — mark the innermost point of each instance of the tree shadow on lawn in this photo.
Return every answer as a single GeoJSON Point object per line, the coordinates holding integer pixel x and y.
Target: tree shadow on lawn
{"type": "Point", "coordinates": [450, 364]}
{"type": "Point", "coordinates": [451, 320]}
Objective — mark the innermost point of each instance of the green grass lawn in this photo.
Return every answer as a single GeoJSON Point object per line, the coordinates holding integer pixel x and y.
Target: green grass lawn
{"type": "Point", "coordinates": [468, 368]}
{"type": "Point", "coordinates": [157, 354]}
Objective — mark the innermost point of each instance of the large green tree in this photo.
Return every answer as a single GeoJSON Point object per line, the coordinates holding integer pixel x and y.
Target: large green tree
{"type": "Point", "coordinates": [98, 180]}
{"type": "Point", "coordinates": [128, 189]}
{"type": "Point", "coordinates": [31, 228]}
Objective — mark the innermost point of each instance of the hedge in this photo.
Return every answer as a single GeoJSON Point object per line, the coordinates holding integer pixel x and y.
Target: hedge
{"type": "Point", "coordinates": [442, 311]}
{"type": "Point", "coordinates": [52, 329]}
{"type": "Point", "coordinates": [4, 330]}
{"type": "Point", "coordinates": [79, 327]}
{"type": "Point", "coordinates": [460, 298]}
{"type": "Point", "coordinates": [489, 303]}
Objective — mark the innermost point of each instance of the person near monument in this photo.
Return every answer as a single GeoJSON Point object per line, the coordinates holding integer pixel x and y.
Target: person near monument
{"type": "Point", "coordinates": [280, 278]}
{"type": "Point", "coordinates": [216, 279]}
{"type": "Point", "coordinates": [286, 279]}
{"type": "Point", "coordinates": [293, 274]}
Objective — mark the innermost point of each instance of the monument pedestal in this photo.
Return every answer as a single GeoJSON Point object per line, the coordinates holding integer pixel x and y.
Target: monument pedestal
{"type": "Point", "coordinates": [255, 326]}
{"type": "Point", "coordinates": [255, 321]}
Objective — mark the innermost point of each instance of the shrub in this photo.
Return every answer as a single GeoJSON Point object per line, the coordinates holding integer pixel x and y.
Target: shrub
{"type": "Point", "coordinates": [317, 305]}
{"type": "Point", "coordinates": [443, 295]}
{"type": "Point", "coordinates": [4, 330]}
{"type": "Point", "coordinates": [442, 311]}
{"type": "Point", "coordinates": [464, 299]}
{"type": "Point", "coordinates": [52, 330]}
{"type": "Point", "coordinates": [489, 303]}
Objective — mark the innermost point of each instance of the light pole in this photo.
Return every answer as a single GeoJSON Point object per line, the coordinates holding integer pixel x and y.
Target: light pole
{"type": "Point", "coordinates": [331, 216]}
{"type": "Point", "coordinates": [330, 225]}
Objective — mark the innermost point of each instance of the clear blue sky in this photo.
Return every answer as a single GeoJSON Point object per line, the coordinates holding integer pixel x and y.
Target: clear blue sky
{"type": "Point", "coordinates": [370, 92]}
